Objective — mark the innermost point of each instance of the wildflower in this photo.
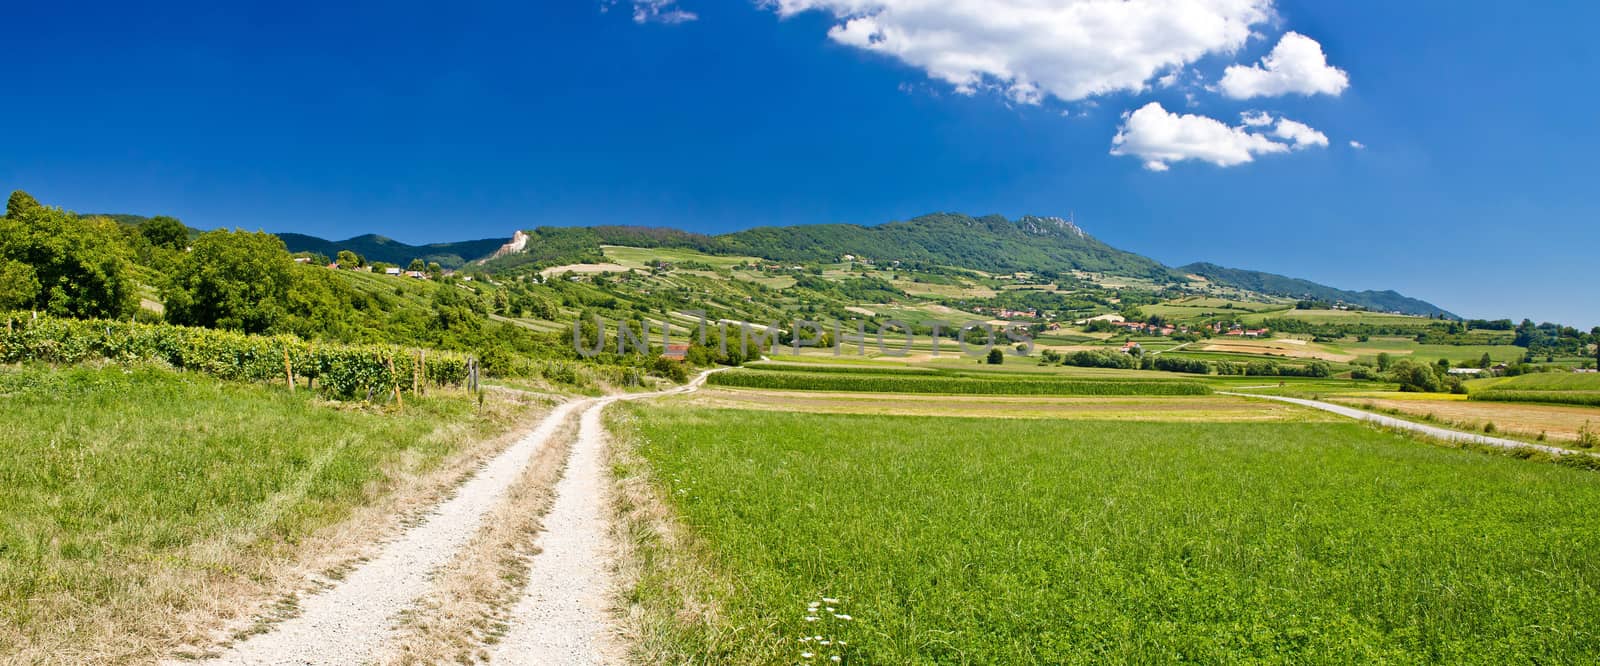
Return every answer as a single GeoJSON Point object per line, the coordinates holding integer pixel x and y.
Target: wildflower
{"type": "Point", "coordinates": [811, 618]}
{"type": "Point", "coordinates": [846, 618]}
{"type": "Point", "coordinates": [826, 600]}
{"type": "Point", "coordinates": [834, 659]}
{"type": "Point", "coordinates": [806, 655]}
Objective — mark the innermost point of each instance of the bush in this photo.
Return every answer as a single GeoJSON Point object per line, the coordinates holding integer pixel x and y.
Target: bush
{"type": "Point", "coordinates": [1100, 359]}
{"type": "Point", "coordinates": [1176, 364]}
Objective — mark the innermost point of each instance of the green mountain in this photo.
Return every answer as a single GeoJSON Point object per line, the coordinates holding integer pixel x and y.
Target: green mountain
{"type": "Point", "coordinates": [378, 248]}
{"type": "Point", "coordinates": [1278, 285]}
{"type": "Point", "coordinates": [991, 243]}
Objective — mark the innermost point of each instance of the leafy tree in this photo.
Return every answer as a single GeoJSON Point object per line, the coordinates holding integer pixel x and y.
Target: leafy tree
{"type": "Point", "coordinates": [78, 266]}
{"type": "Point", "coordinates": [1383, 361]}
{"type": "Point", "coordinates": [1486, 361]}
{"type": "Point", "coordinates": [348, 259]}
{"type": "Point", "coordinates": [18, 285]}
{"type": "Point", "coordinates": [996, 357]}
{"type": "Point", "coordinates": [167, 232]}
{"type": "Point", "coordinates": [19, 204]}
{"type": "Point", "coordinates": [236, 280]}
{"type": "Point", "coordinates": [417, 265]}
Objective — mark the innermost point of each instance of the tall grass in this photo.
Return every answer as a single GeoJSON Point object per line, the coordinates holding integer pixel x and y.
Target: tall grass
{"type": "Point", "coordinates": [1012, 542]}
{"type": "Point", "coordinates": [131, 495]}
{"type": "Point", "coordinates": [809, 381]}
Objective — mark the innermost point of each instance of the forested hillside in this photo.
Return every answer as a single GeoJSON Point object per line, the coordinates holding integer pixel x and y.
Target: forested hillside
{"type": "Point", "coordinates": [375, 248]}
{"type": "Point", "coordinates": [1278, 285]}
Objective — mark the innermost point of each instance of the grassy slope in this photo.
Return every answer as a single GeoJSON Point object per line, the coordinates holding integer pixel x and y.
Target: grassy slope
{"type": "Point", "coordinates": [127, 494]}
{"type": "Point", "coordinates": [1003, 541]}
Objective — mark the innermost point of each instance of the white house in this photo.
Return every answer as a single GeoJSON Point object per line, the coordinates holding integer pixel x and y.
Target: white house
{"type": "Point", "coordinates": [392, 270]}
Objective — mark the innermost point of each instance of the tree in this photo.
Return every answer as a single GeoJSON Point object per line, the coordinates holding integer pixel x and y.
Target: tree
{"type": "Point", "coordinates": [417, 265]}
{"type": "Point", "coordinates": [19, 204]}
{"type": "Point", "coordinates": [996, 357]}
{"type": "Point", "coordinates": [1383, 361]}
{"type": "Point", "coordinates": [1444, 365]}
{"type": "Point", "coordinates": [57, 262]}
{"type": "Point", "coordinates": [348, 259]}
{"type": "Point", "coordinates": [18, 286]}
{"type": "Point", "coordinates": [1486, 361]}
{"type": "Point", "coordinates": [1595, 335]}
{"type": "Point", "coordinates": [236, 280]}
{"type": "Point", "coordinates": [167, 232]}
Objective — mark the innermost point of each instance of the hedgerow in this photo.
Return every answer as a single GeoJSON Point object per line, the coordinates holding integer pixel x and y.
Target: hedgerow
{"type": "Point", "coordinates": [798, 381]}
{"type": "Point", "coordinates": [341, 371]}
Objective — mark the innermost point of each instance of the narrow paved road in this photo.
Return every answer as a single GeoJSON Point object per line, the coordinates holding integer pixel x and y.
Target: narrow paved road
{"type": "Point", "coordinates": [1431, 431]}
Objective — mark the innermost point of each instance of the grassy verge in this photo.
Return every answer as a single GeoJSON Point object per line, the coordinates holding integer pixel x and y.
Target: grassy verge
{"type": "Point", "coordinates": [143, 507]}
{"type": "Point", "coordinates": [1007, 541]}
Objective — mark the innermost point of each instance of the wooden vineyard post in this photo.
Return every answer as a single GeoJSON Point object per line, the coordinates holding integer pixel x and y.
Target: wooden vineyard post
{"type": "Point", "coordinates": [288, 370]}
{"type": "Point", "coordinates": [416, 374]}
{"type": "Point", "coordinates": [423, 354]}
{"type": "Point", "coordinates": [395, 380]}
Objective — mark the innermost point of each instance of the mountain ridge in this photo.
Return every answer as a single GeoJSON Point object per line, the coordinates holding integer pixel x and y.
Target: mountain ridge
{"type": "Point", "coordinates": [991, 243]}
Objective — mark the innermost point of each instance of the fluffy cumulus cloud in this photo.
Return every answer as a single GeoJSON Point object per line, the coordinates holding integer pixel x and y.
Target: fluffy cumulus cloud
{"type": "Point", "coordinates": [1256, 118]}
{"type": "Point", "coordinates": [1030, 49]}
{"type": "Point", "coordinates": [655, 11]}
{"type": "Point", "coordinates": [1296, 65]}
{"type": "Point", "coordinates": [1160, 137]}
{"type": "Point", "coordinates": [1300, 135]}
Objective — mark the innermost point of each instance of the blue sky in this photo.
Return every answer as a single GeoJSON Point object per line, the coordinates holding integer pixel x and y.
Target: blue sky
{"type": "Point", "coordinates": [1475, 188]}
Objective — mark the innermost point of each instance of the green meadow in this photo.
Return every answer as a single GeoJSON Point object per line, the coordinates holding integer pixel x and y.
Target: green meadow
{"type": "Point", "coordinates": [999, 541]}
{"type": "Point", "coordinates": [128, 492]}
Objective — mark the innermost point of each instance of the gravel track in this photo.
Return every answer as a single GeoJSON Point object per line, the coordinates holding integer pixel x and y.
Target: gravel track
{"type": "Point", "coordinates": [347, 622]}
{"type": "Point", "coordinates": [561, 618]}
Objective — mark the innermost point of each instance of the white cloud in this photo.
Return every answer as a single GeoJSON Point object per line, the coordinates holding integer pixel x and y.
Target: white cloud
{"type": "Point", "coordinates": [1067, 49]}
{"type": "Point", "coordinates": [1160, 137]}
{"type": "Point", "coordinates": [1296, 65]}
{"type": "Point", "coordinates": [1358, 145]}
{"type": "Point", "coordinates": [1300, 134]}
{"type": "Point", "coordinates": [1256, 118]}
{"type": "Point", "coordinates": [659, 11]}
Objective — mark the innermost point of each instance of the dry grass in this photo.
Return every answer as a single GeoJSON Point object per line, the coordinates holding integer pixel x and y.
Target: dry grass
{"type": "Point", "coordinates": [466, 607]}
{"type": "Point", "coordinates": [1288, 349]}
{"type": "Point", "coordinates": [1560, 424]}
{"type": "Point", "coordinates": [664, 587]}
